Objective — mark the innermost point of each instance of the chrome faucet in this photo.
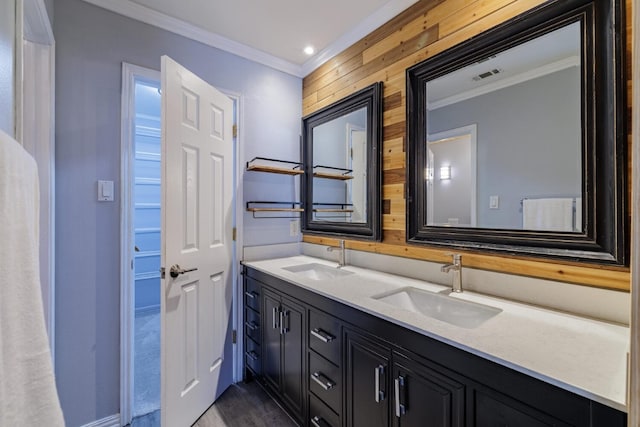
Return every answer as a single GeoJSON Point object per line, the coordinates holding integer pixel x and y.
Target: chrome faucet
{"type": "Point", "coordinates": [341, 256]}
{"type": "Point", "coordinates": [456, 267]}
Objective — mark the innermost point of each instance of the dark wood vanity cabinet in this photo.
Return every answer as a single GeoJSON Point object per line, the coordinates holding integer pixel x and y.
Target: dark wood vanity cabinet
{"type": "Point", "coordinates": [283, 349]}
{"type": "Point", "coordinates": [351, 369]}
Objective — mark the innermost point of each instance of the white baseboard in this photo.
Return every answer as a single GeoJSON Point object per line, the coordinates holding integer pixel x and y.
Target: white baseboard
{"type": "Point", "coordinates": [110, 421]}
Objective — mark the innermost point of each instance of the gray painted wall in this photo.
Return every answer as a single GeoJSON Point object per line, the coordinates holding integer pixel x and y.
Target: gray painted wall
{"type": "Point", "coordinates": [48, 4]}
{"type": "Point", "coordinates": [528, 143]}
{"type": "Point", "coordinates": [7, 53]}
{"type": "Point", "coordinates": [91, 44]}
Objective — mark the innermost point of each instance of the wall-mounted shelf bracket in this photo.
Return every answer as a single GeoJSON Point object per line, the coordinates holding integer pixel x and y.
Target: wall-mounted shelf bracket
{"type": "Point", "coordinates": [265, 209]}
{"type": "Point", "coordinates": [265, 164]}
{"type": "Point", "coordinates": [329, 172]}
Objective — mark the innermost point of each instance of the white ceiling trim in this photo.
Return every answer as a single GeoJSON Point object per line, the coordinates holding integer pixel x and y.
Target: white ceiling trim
{"type": "Point", "coordinates": [367, 26]}
{"type": "Point", "coordinates": [180, 27]}
{"type": "Point", "coordinates": [572, 61]}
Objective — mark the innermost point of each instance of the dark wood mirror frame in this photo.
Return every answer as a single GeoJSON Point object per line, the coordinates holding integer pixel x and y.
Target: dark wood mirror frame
{"type": "Point", "coordinates": [371, 98]}
{"type": "Point", "coordinates": [604, 139]}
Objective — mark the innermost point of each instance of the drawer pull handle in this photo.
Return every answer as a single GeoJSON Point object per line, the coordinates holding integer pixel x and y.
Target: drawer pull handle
{"type": "Point", "coordinates": [379, 394]}
{"type": "Point", "coordinates": [319, 422]}
{"type": "Point", "coordinates": [252, 355]}
{"type": "Point", "coordinates": [323, 381]}
{"type": "Point", "coordinates": [322, 335]}
{"type": "Point", "coordinates": [252, 294]}
{"type": "Point", "coordinates": [251, 325]}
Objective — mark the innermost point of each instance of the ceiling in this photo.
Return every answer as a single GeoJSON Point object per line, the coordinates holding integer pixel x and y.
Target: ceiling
{"type": "Point", "coordinates": [552, 52]}
{"type": "Point", "coordinates": [273, 32]}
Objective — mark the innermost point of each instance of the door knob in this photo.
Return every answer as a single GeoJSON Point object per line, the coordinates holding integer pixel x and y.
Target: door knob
{"type": "Point", "coordinates": [176, 270]}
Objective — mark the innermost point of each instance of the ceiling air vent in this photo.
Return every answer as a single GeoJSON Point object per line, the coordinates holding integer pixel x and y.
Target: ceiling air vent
{"type": "Point", "coordinates": [486, 74]}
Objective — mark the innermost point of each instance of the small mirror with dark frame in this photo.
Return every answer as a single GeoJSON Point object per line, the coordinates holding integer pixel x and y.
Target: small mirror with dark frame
{"type": "Point", "coordinates": [517, 138]}
{"type": "Point", "coordinates": [341, 152]}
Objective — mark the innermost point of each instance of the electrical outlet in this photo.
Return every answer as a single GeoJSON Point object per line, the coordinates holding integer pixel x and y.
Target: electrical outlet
{"type": "Point", "coordinates": [294, 228]}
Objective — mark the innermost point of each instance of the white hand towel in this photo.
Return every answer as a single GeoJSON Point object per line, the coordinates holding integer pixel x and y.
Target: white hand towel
{"type": "Point", "coordinates": [28, 395]}
{"type": "Point", "coordinates": [547, 214]}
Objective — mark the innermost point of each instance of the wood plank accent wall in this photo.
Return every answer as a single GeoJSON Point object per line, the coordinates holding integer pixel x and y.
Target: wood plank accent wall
{"type": "Point", "coordinates": [425, 29]}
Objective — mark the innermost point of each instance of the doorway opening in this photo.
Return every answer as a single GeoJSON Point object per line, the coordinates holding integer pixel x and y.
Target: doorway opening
{"type": "Point", "coordinates": [146, 266]}
{"type": "Point", "coordinates": [451, 177]}
{"type": "Point", "coordinates": [141, 195]}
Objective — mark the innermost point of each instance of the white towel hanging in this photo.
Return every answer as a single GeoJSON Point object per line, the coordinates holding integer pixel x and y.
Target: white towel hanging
{"type": "Point", "coordinates": [28, 395]}
{"type": "Point", "coordinates": [555, 214]}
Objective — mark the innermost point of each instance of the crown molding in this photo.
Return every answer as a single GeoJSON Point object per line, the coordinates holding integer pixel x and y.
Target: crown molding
{"type": "Point", "coordinates": [367, 26]}
{"type": "Point", "coordinates": [157, 19]}
{"type": "Point", "coordinates": [572, 61]}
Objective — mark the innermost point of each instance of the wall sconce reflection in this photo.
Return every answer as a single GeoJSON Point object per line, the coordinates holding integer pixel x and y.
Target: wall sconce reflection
{"type": "Point", "coordinates": [428, 174]}
{"type": "Point", "coordinates": [445, 172]}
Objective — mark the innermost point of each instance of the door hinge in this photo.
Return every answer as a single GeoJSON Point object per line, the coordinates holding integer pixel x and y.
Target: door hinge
{"type": "Point", "coordinates": [235, 131]}
{"type": "Point", "coordinates": [234, 234]}
{"type": "Point", "coordinates": [162, 272]}
{"type": "Point", "coordinates": [234, 336]}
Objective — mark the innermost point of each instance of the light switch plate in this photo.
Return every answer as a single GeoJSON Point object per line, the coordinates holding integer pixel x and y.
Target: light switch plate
{"type": "Point", "coordinates": [294, 228]}
{"type": "Point", "coordinates": [494, 202]}
{"type": "Point", "coordinates": [105, 191]}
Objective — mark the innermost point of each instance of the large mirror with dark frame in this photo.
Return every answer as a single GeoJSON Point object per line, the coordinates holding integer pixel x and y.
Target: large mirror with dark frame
{"type": "Point", "coordinates": [517, 137]}
{"type": "Point", "coordinates": [342, 167]}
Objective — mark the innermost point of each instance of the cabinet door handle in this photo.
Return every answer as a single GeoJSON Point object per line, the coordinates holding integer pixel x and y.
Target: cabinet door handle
{"type": "Point", "coordinates": [319, 422]}
{"type": "Point", "coordinates": [281, 322]}
{"type": "Point", "coordinates": [284, 321]}
{"type": "Point", "coordinates": [323, 381]}
{"type": "Point", "coordinates": [322, 335]}
{"type": "Point", "coordinates": [251, 325]}
{"type": "Point", "coordinates": [252, 294]}
{"type": "Point", "coordinates": [379, 371]}
{"type": "Point", "coordinates": [275, 318]}
{"type": "Point", "coordinates": [252, 355]}
{"type": "Point", "coordinates": [400, 408]}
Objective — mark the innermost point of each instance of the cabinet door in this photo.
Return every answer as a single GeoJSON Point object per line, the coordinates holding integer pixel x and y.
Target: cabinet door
{"type": "Point", "coordinates": [293, 351]}
{"type": "Point", "coordinates": [367, 381]}
{"type": "Point", "coordinates": [495, 409]}
{"type": "Point", "coordinates": [425, 395]}
{"type": "Point", "coordinates": [271, 339]}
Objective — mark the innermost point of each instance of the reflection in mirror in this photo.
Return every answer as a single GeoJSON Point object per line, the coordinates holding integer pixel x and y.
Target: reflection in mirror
{"type": "Point", "coordinates": [516, 138]}
{"type": "Point", "coordinates": [492, 126]}
{"type": "Point", "coordinates": [342, 185]}
{"type": "Point", "coordinates": [340, 169]}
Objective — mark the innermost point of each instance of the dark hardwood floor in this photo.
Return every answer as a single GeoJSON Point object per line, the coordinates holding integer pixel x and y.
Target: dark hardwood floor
{"type": "Point", "coordinates": [241, 405]}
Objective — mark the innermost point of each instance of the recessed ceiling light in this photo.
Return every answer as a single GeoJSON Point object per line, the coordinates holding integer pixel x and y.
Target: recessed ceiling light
{"type": "Point", "coordinates": [309, 50]}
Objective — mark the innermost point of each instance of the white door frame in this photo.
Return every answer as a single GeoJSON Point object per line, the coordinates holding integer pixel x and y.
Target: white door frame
{"type": "Point", "coordinates": [131, 73]}
{"type": "Point", "coordinates": [472, 131]}
{"type": "Point", "coordinates": [35, 129]}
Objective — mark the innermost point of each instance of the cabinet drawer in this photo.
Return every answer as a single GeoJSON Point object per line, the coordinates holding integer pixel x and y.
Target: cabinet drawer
{"type": "Point", "coordinates": [320, 415]}
{"type": "Point", "coordinates": [252, 357]}
{"type": "Point", "coordinates": [252, 294]}
{"type": "Point", "coordinates": [325, 381]}
{"type": "Point", "coordinates": [252, 324]}
{"type": "Point", "coordinates": [324, 335]}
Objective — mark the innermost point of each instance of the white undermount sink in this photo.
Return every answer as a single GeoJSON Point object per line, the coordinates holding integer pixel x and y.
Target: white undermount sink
{"type": "Point", "coordinates": [465, 314]}
{"type": "Point", "coordinates": [317, 271]}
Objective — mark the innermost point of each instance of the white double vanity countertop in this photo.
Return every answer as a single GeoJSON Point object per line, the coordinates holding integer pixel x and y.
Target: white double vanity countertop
{"type": "Point", "coordinates": [585, 356]}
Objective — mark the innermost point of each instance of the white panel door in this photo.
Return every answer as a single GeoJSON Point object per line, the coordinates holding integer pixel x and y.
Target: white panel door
{"type": "Point", "coordinates": [197, 166]}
